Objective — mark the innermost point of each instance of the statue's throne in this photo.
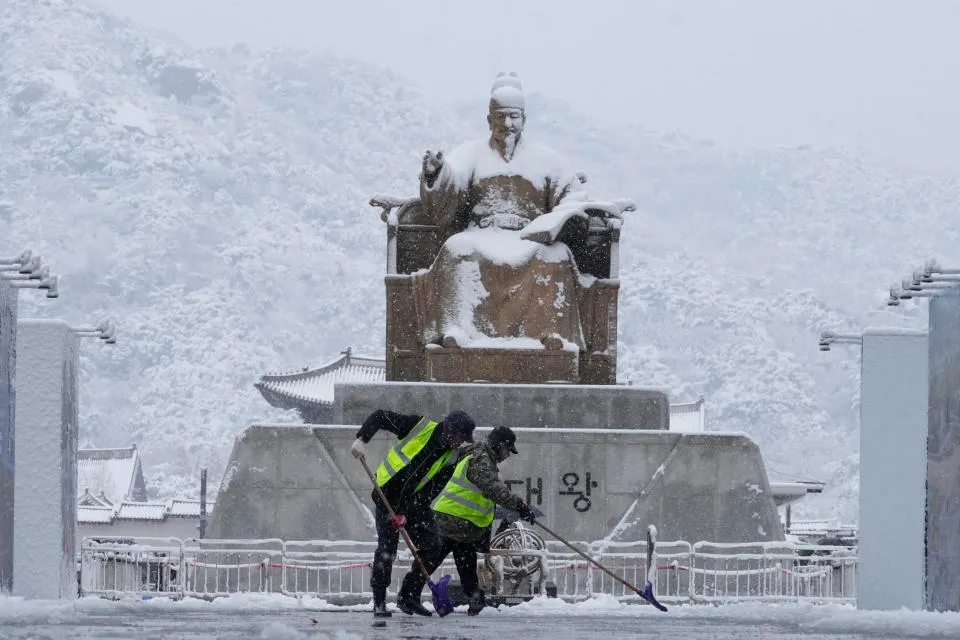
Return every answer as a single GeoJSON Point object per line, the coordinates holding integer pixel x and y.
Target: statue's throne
{"type": "Point", "coordinates": [413, 243]}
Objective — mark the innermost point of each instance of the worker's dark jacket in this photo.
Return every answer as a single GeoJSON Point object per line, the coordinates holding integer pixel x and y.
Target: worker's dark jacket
{"type": "Point", "coordinates": [400, 490]}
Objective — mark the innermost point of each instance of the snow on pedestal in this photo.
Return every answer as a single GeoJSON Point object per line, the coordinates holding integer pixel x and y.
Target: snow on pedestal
{"type": "Point", "coordinates": [44, 564]}
{"type": "Point", "coordinates": [893, 459]}
{"type": "Point", "coordinates": [8, 353]}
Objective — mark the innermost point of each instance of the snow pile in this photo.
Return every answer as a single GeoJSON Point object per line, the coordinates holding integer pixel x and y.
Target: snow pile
{"type": "Point", "coordinates": [809, 618]}
{"type": "Point", "coordinates": [280, 631]}
{"type": "Point", "coordinates": [821, 618]}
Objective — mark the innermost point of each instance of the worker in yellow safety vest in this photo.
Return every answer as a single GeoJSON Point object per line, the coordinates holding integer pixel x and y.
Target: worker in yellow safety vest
{"type": "Point", "coordinates": [411, 475]}
{"type": "Point", "coordinates": [465, 512]}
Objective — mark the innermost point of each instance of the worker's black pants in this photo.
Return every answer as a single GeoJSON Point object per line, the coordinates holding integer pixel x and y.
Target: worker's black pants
{"type": "Point", "coordinates": [465, 557]}
{"type": "Point", "coordinates": [422, 529]}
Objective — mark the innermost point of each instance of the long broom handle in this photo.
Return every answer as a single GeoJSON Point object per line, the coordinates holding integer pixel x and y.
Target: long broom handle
{"type": "Point", "coordinates": [403, 530]}
{"type": "Point", "coordinates": [587, 558]}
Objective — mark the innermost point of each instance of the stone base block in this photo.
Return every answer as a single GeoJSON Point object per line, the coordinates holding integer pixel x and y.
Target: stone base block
{"type": "Point", "coordinates": [516, 405]}
{"type": "Point", "coordinates": [464, 364]}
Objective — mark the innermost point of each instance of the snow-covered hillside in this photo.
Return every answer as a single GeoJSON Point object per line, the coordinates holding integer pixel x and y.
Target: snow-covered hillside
{"type": "Point", "coordinates": [214, 203]}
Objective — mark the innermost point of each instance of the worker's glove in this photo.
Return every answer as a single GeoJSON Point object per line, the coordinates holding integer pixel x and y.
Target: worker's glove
{"type": "Point", "coordinates": [399, 521]}
{"type": "Point", "coordinates": [358, 448]}
{"type": "Point", "coordinates": [529, 514]}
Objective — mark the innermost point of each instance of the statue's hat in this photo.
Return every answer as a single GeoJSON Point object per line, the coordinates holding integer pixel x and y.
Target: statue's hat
{"type": "Point", "coordinates": [507, 92]}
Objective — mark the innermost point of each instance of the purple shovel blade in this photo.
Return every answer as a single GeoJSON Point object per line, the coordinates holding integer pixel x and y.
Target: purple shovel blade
{"type": "Point", "coordinates": [441, 601]}
{"type": "Point", "coordinates": [647, 594]}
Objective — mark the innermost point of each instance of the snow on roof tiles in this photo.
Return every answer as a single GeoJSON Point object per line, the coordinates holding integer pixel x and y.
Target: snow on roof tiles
{"type": "Point", "coordinates": [315, 386]}
{"type": "Point", "coordinates": [142, 511]}
{"type": "Point", "coordinates": [94, 515]}
{"type": "Point", "coordinates": [186, 508]}
{"type": "Point", "coordinates": [110, 471]}
{"type": "Point", "coordinates": [821, 527]}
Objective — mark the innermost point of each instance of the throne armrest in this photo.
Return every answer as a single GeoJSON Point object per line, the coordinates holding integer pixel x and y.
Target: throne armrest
{"type": "Point", "coordinates": [610, 209]}
{"type": "Point", "coordinates": [595, 244]}
{"type": "Point", "coordinates": [388, 203]}
{"type": "Point", "coordinates": [411, 244]}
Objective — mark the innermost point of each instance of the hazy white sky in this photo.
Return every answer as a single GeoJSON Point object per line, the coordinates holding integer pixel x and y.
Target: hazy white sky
{"type": "Point", "coordinates": [878, 74]}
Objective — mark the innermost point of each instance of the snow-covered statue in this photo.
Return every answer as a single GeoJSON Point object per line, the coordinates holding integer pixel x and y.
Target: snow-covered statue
{"type": "Point", "coordinates": [503, 270]}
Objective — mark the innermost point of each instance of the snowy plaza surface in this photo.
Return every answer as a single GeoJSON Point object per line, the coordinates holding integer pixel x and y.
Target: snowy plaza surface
{"type": "Point", "coordinates": [282, 618]}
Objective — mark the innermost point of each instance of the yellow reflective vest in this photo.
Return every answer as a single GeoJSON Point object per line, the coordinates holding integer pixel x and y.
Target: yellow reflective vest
{"type": "Point", "coordinates": [405, 450]}
{"type": "Point", "coordinates": [463, 499]}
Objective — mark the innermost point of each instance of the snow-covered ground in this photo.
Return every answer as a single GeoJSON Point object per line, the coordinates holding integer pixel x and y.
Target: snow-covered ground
{"type": "Point", "coordinates": [282, 618]}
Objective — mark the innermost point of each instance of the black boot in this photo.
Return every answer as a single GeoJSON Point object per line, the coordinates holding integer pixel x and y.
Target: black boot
{"type": "Point", "coordinates": [380, 604]}
{"type": "Point", "coordinates": [412, 606]}
{"type": "Point", "coordinates": [477, 602]}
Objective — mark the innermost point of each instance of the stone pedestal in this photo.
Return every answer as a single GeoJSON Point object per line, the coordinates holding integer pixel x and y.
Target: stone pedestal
{"type": "Point", "coordinates": [943, 455]}
{"type": "Point", "coordinates": [893, 459]}
{"type": "Point", "coordinates": [301, 483]}
{"type": "Point", "coordinates": [514, 405]}
{"type": "Point", "coordinates": [598, 460]}
{"type": "Point", "coordinates": [8, 360]}
{"type": "Point", "coordinates": [45, 509]}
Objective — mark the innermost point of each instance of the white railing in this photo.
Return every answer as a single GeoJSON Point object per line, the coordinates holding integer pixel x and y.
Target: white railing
{"type": "Point", "coordinates": [773, 571]}
{"type": "Point", "coordinates": [339, 571]}
{"type": "Point", "coordinates": [120, 566]}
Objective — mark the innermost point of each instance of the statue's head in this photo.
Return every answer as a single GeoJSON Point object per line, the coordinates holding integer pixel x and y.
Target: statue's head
{"type": "Point", "coordinates": [507, 115]}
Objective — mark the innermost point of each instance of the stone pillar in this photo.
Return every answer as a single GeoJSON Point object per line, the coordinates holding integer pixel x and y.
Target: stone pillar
{"type": "Point", "coordinates": [8, 359]}
{"type": "Point", "coordinates": [893, 443]}
{"type": "Point", "coordinates": [943, 455]}
{"type": "Point", "coordinates": [45, 511]}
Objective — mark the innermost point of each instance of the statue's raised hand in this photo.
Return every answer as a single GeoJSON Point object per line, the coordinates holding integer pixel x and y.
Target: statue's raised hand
{"type": "Point", "coordinates": [432, 164]}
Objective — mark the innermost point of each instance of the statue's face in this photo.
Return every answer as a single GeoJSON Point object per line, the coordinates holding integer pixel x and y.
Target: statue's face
{"type": "Point", "coordinates": [506, 123]}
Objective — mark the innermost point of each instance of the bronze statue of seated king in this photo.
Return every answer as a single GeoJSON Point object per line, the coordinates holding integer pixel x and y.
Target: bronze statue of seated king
{"type": "Point", "coordinates": [503, 270]}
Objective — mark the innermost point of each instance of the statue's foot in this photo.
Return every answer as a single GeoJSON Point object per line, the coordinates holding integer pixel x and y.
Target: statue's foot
{"type": "Point", "coordinates": [552, 343]}
{"type": "Point", "coordinates": [449, 342]}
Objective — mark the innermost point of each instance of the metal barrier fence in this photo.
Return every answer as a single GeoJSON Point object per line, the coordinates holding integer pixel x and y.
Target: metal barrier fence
{"type": "Point", "coordinates": [339, 571]}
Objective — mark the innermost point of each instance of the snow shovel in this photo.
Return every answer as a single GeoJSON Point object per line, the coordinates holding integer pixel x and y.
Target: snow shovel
{"type": "Point", "coordinates": [441, 601]}
{"type": "Point", "coordinates": [647, 592]}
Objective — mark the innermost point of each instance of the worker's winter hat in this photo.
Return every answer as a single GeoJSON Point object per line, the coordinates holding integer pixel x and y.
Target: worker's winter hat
{"type": "Point", "coordinates": [507, 92]}
{"type": "Point", "coordinates": [460, 422]}
{"type": "Point", "coordinates": [503, 436]}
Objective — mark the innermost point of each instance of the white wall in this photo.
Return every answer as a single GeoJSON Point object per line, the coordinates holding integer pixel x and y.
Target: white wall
{"type": "Point", "coordinates": [170, 528]}
{"type": "Point", "coordinates": [45, 485]}
{"type": "Point", "coordinates": [893, 447]}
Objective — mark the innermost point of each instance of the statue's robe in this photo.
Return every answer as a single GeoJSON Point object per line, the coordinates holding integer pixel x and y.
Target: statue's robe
{"type": "Point", "coordinates": [489, 286]}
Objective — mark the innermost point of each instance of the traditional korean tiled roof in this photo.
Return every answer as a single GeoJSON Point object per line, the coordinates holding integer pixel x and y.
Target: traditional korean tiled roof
{"type": "Point", "coordinates": [141, 511]}
{"type": "Point", "coordinates": [295, 389]}
{"type": "Point", "coordinates": [829, 527]}
{"type": "Point", "coordinates": [179, 508]}
{"type": "Point", "coordinates": [90, 500]}
{"type": "Point", "coordinates": [113, 474]}
{"type": "Point", "coordinates": [95, 515]}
